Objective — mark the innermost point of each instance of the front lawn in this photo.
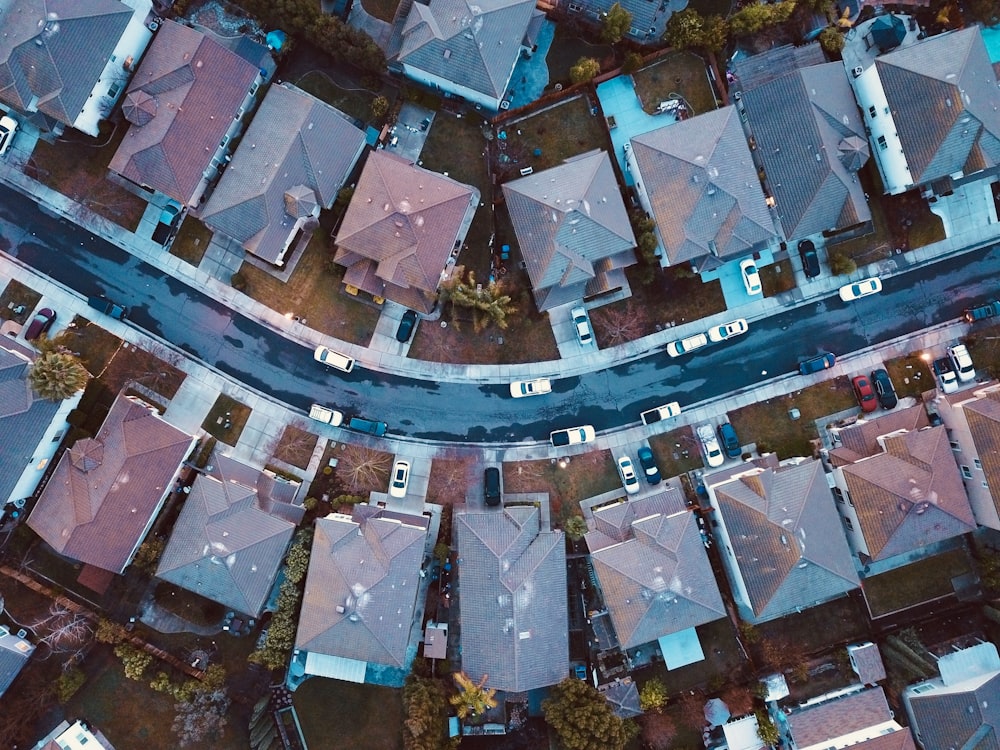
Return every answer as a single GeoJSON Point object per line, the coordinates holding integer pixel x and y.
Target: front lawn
{"type": "Point", "coordinates": [192, 241]}
{"type": "Point", "coordinates": [910, 375]}
{"type": "Point", "coordinates": [226, 419]}
{"type": "Point", "coordinates": [777, 278]}
{"type": "Point", "coordinates": [568, 482]}
{"type": "Point", "coordinates": [16, 294]}
{"type": "Point", "coordinates": [451, 477]}
{"type": "Point", "coordinates": [370, 716]}
{"type": "Point", "coordinates": [984, 348]}
{"type": "Point", "coordinates": [915, 583]}
{"type": "Point", "coordinates": [676, 451]}
{"type": "Point", "coordinates": [681, 73]}
{"type": "Point", "coordinates": [296, 446]}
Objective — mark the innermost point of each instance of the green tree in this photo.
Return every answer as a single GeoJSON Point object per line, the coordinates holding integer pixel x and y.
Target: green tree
{"type": "Point", "coordinates": [380, 107]}
{"type": "Point", "coordinates": [754, 18]}
{"type": "Point", "coordinates": [632, 62]}
{"type": "Point", "coordinates": [584, 720]}
{"type": "Point", "coordinates": [473, 699]}
{"type": "Point", "coordinates": [575, 527]}
{"type": "Point", "coordinates": [70, 681]}
{"type": "Point", "coordinates": [615, 24]}
{"type": "Point", "coordinates": [653, 696]}
{"type": "Point", "coordinates": [134, 660]}
{"type": "Point", "coordinates": [688, 29]}
{"type": "Point", "coordinates": [58, 375]}
{"type": "Point", "coordinates": [441, 552]}
{"type": "Point", "coordinates": [842, 265]}
{"type": "Point", "coordinates": [584, 70]}
{"type": "Point", "coordinates": [426, 723]}
{"type": "Point", "coordinates": [297, 562]}
{"type": "Point", "coordinates": [766, 731]}
{"type": "Point", "coordinates": [831, 40]}
{"type": "Point", "coordinates": [109, 632]}
{"type": "Point", "coordinates": [148, 554]}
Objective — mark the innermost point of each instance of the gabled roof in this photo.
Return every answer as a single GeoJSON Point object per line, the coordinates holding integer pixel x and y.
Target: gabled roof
{"type": "Point", "coordinates": [657, 580]}
{"type": "Point", "coordinates": [866, 661]}
{"type": "Point", "coordinates": [515, 623]}
{"type": "Point", "coordinates": [361, 590]}
{"type": "Point", "coordinates": [623, 695]}
{"type": "Point", "coordinates": [779, 522]}
{"type": "Point", "coordinates": [861, 439]}
{"type": "Point", "coordinates": [983, 418]}
{"type": "Point", "coordinates": [703, 188]}
{"type": "Point", "coordinates": [812, 142]}
{"type": "Point", "coordinates": [399, 229]}
{"type": "Point", "coordinates": [181, 102]}
{"type": "Point", "coordinates": [226, 545]}
{"type": "Point", "coordinates": [827, 721]}
{"type": "Point", "coordinates": [52, 52]}
{"type": "Point", "coordinates": [473, 44]}
{"type": "Point", "coordinates": [943, 96]}
{"type": "Point", "coordinates": [572, 228]}
{"type": "Point", "coordinates": [294, 157]}
{"type": "Point", "coordinates": [106, 490]}
{"type": "Point", "coordinates": [14, 654]}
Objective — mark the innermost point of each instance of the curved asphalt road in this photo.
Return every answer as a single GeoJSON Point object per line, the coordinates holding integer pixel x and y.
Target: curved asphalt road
{"type": "Point", "coordinates": [471, 413]}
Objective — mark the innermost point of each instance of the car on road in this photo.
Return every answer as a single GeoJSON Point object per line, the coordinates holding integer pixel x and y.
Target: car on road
{"type": "Point", "coordinates": [857, 290]}
{"type": "Point", "coordinates": [667, 411]}
{"type": "Point", "coordinates": [946, 375]}
{"type": "Point", "coordinates": [864, 393]}
{"type": "Point", "coordinates": [400, 479]}
{"type": "Point", "coordinates": [8, 126]}
{"type": "Point", "coordinates": [626, 470]}
{"type": "Point", "coordinates": [810, 259]}
{"type": "Point", "coordinates": [648, 463]}
{"type": "Point", "coordinates": [822, 361]}
{"type": "Point", "coordinates": [333, 359]}
{"type": "Point", "coordinates": [40, 324]}
{"type": "Point", "coordinates": [687, 345]}
{"type": "Point", "coordinates": [981, 312]}
{"type": "Point", "coordinates": [325, 415]}
{"type": "Point", "coordinates": [962, 362]}
{"type": "Point", "coordinates": [730, 441]}
{"type": "Point", "coordinates": [581, 323]}
{"type": "Point", "coordinates": [573, 436]}
{"type": "Point", "coordinates": [491, 485]}
{"type": "Point", "coordinates": [368, 426]}
{"type": "Point", "coordinates": [751, 278]}
{"type": "Point", "coordinates": [525, 388]}
{"type": "Point", "coordinates": [884, 389]}
{"type": "Point", "coordinates": [710, 445]}
{"type": "Point", "coordinates": [406, 326]}
{"type": "Point", "coordinates": [165, 227]}
{"type": "Point", "coordinates": [728, 330]}
{"type": "Point", "coordinates": [106, 306]}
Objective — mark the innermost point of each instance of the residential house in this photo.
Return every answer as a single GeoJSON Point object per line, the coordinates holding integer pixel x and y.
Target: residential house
{"type": "Point", "coordinates": [296, 155]}
{"type": "Point", "coordinates": [858, 719]}
{"type": "Point", "coordinates": [361, 594]}
{"type": "Point", "coordinates": [897, 486]}
{"type": "Point", "coordinates": [774, 537]}
{"type": "Point", "coordinates": [623, 695]}
{"type": "Point", "coordinates": [15, 650]}
{"type": "Point", "coordinates": [467, 49]}
{"type": "Point", "coordinates": [106, 491]}
{"type": "Point", "coordinates": [932, 108]}
{"type": "Point", "coordinates": [866, 661]}
{"type": "Point", "coordinates": [76, 736]}
{"type": "Point", "coordinates": [973, 422]}
{"type": "Point", "coordinates": [649, 19]}
{"type": "Point", "coordinates": [652, 569]}
{"type": "Point", "coordinates": [188, 100]}
{"type": "Point", "coordinates": [64, 63]}
{"type": "Point", "coordinates": [232, 534]}
{"type": "Point", "coordinates": [32, 427]}
{"type": "Point", "coordinates": [400, 230]}
{"type": "Point", "coordinates": [802, 118]}
{"type": "Point", "coordinates": [515, 621]}
{"type": "Point", "coordinates": [698, 181]}
{"type": "Point", "coordinates": [573, 229]}
{"type": "Point", "coordinates": [961, 707]}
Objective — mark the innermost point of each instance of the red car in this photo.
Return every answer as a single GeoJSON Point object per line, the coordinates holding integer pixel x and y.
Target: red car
{"type": "Point", "coordinates": [40, 323]}
{"type": "Point", "coordinates": [865, 393]}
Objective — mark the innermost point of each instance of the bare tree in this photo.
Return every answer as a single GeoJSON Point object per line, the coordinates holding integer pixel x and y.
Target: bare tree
{"type": "Point", "coordinates": [364, 469]}
{"type": "Point", "coordinates": [201, 719]}
{"type": "Point", "coordinates": [296, 445]}
{"type": "Point", "coordinates": [65, 630]}
{"type": "Point", "coordinates": [620, 323]}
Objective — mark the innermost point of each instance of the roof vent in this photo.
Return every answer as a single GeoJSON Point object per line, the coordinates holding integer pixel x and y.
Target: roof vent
{"type": "Point", "coordinates": [447, 54]}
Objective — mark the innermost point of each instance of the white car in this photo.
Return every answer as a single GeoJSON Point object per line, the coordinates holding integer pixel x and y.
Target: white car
{"type": "Point", "coordinates": [710, 446]}
{"type": "Point", "coordinates": [727, 331]}
{"type": "Point", "coordinates": [573, 436]}
{"type": "Point", "coordinates": [8, 126]}
{"type": "Point", "coordinates": [582, 325]}
{"type": "Point", "coordinates": [667, 411]}
{"type": "Point", "coordinates": [687, 345]}
{"type": "Point", "coordinates": [751, 279]}
{"type": "Point", "coordinates": [400, 479]}
{"type": "Point", "coordinates": [523, 388]}
{"type": "Point", "coordinates": [863, 288]}
{"type": "Point", "coordinates": [962, 362]}
{"type": "Point", "coordinates": [325, 415]}
{"type": "Point", "coordinates": [629, 478]}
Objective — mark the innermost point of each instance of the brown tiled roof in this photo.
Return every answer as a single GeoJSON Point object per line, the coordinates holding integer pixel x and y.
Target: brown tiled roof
{"type": "Point", "coordinates": [861, 439]}
{"type": "Point", "coordinates": [835, 718]}
{"type": "Point", "coordinates": [901, 739]}
{"type": "Point", "coordinates": [106, 491]}
{"type": "Point", "coordinates": [983, 418]}
{"type": "Point", "coordinates": [399, 229]}
{"type": "Point", "coordinates": [867, 663]}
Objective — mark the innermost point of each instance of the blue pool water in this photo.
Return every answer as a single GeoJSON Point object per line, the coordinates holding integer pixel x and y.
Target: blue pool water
{"type": "Point", "coordinates": [992, 39]}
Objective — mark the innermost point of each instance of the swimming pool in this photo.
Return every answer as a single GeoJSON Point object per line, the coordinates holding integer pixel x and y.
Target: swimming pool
{"type": "Point", "coordinates": [992, 38]}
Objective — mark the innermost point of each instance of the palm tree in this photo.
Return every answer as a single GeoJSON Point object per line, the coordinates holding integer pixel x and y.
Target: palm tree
{"type": "Point", "coordinates": [57, 375]}
{"type": "Point", "coordinates": [474, 700]}
{"type": "Point", "coordinates": [489, 303]}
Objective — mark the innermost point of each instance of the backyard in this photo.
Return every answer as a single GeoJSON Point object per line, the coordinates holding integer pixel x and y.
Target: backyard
{"type": "Point", "coordinates": [568, 481]}
{"type": "Point", "coordinates": [371, 716]}
{"type": "Point", "coordinates": [355, 102]}
{"type": "Point", "coordinates": [913, 584]}
{"type": "Point", "coordinates": [568, 46]}
{"type": "Point", "coordinates": [682, 73]}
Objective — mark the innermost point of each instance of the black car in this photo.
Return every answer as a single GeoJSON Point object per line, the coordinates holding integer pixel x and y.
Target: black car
{"type": "Point", "coordinates": [730, 442]}
{"type": "Point", "coordinates": [40, 323]}
{"type": "Point", "coordinates": [648, 463]}
{"type": "Point", "coordinates": [820, 362]}
{"type": "Point", "coordinates": [491, 485]}
{"type": "Point", "coordinates": [810, 260]}
{"type": "Point", "coordinates": [884, 390]}
{"type": "Point", "coordinates": [406, 325]}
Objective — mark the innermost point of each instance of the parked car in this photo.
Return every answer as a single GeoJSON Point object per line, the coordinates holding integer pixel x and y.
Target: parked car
{"type": "Point", "coordinates": [884, 389]}
{"type": "Point", "coordinates": [728, 331]}
{"type": "Point", "coordinates": [810, 259]}
{"type": "Point", "coordinates": [106, 306]}
{"type": "Point", "coordinates": [369, 426]}
{"type": "Point", "coordinates": [333, 359]}
{"type": "Point", "coordinates": [165, 227]}
{"type": "Point", "coordinates": [406, 326]}
{"type": "Point", "coordinates": [962, 362]}
{"type": "Point", "coordinates": [851, 292]}
{"type": "Point", "coordinates": [730, 441]}
{"type": "Point", "coordinates": [400, 479]}
{"type": "Point", "coordinates": [524, 388]}
{"type": "Point", "coordinates": [687, 345]}
{"type": "Point", "coordinates": [572, 436]}
{"type": "Point", "coordinates": [40, 324]}
{"type": "Point", "coordinates": [326, 416]}
{"type": "Point", "coordinates": [626, 470]}
{"type": "Point", "coordinates": [491, 485]}
{"type": "Point", "coordinates": [8, 126]}
{"type": "Point", "coordinates": [981, 312]}
{"type": "Point", "coordinates": [710, 446]}
{"type": "Point", "coordinates": [667, 411]}
{"type": "Point", "coordinates": [864, 393]}
{"type": "Point", "coordinates": [751, 278]}
{"type": "Point", "coordinates": [946, 375]}
{"type": "Point", "coordinates": [648, 463]}
{"type": "Point", "coordinates": [822, 361]}
{"type": "Point", "coordinates": [582, 325]}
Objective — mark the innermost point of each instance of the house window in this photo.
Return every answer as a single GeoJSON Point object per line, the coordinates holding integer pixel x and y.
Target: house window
{"type": "Point", "coordinates": [114, 90]}
{"type": "Point", "coordinates": [966, 472]}
{"type": "Point", "coordinates": [253, 89]}
{"type": "Point", "coordinates": [978, 463]}
{"type": "Point", "coordinates": [847, 523]}
{"type": "Point", "coordinates": [872, 112]}
{"type": "Point", "coordinates": [574, 8]}
{"type": "Point", "coordinates": [955, 446]}
{"type": "Point", "coordinates": [239, 114]}
{"type": "Point", "coordinates": [881, 143]}
{"type": "Point", "coordinates": [57, 437]}
{"type": "Point", "coordinates": [224, 141]}
{"type": "Point", "coordinates": [839, 494]}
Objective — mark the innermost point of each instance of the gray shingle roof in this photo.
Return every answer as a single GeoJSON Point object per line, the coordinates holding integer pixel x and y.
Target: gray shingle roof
{"type": "Point", "coordinates": [14, 654]}
{"type": "Point", "coordinates": [56, 65]}
{"type": "Point", "coordinates": [779, 522]}
{"type": "Point", "coordinates": [362, 587]}
{"type": "Point", "coordinates": [944, 100]}
{"type": "Point", "coordinates": [473, 44]}
{"type": "Point", "coordinates": [867, 663]}
{"type": "Point", "coordinates": [983, 418]}
{"type": "Point", "coordinates": [966, 715]}
{"type": "Point", "coordinates": [703, 188]}
{"type": "Point", "coordinates": [623, 695]}
{"type": "Point", "coordinates": [513, 586]}
{"type": "Point", "coordinates": [572, 228]}
{"type": "Point", "coordinates": [841, 716]}
{"type": "Point", "coordinates": [295, 143]}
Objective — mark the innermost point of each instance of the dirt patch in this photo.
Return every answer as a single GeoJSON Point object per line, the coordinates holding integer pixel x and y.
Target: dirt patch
{"type": "Point", "coordinates": [777, 278]}
{"type": "Point", "coordinates": [296, 446]}
{"type": "Point", "coordinates": [451, 478]}
{"type": "Point", "coordinates": [226, 419]}
{"type": "Point", "coordinates": [18, 296]}
{"type": "Point", "coordinates": [676, 451]}
{"type": "Point", "coordinates": [568, 481]}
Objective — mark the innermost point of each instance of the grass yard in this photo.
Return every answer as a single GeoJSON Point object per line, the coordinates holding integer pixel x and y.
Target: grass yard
{"type": "Point", "coordinates": [681, 73]}
{"type": "Point", "coordinates": [14, 294]}
{"type": "Point", "coordinates": [910, 375]}
{"type": "Point", "coordinates": [296, 446]}
{"type": "Point", "coordinates": [354, 102]}
{"type": "Point", "coordinates": [568, 47]}
{"type": "Point", "coordinates": [913, 584]}
{"type": "Point", "coordinates": [777, 278]}
{"type": "Point", "coordinates": [451, 477]}
{"type": "Point", "coordinates": [370, 716]}
{"type": "Point", "coordinates": [676, 451]}
{"type": "Point", "coordinates": [314, 292]}
{"type": "Point", "coordinates": [984, 348]}
{"type": "Point", "coordinates": [768, 425]}
{"type": "Point", "coordinates": [584, 476]}
{"type": "Point", "coordinates": [382, 9]}
{"type": "Point", "coordinates": [191, 241]}
{"type": "Point", "coordinates": [226, 419]}
{"type": "Point", "coordinates": [723, 662]}
{"type": "Point", "coordinates": [817, 629]}
{"type": "Point", "coordinates": [94, 345]}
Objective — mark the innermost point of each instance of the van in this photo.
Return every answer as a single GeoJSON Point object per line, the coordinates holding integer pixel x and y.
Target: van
{"type": "Point", "coordinates": [730, 442]}
{"type": "Point", "coordinates": [333, 359]}
{"type": "Point", "coordinates": [367, 425]}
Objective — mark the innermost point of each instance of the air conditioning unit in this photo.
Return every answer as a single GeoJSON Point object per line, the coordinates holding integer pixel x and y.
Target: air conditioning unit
{"type": "Point", "coordinates": [858, 70]}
